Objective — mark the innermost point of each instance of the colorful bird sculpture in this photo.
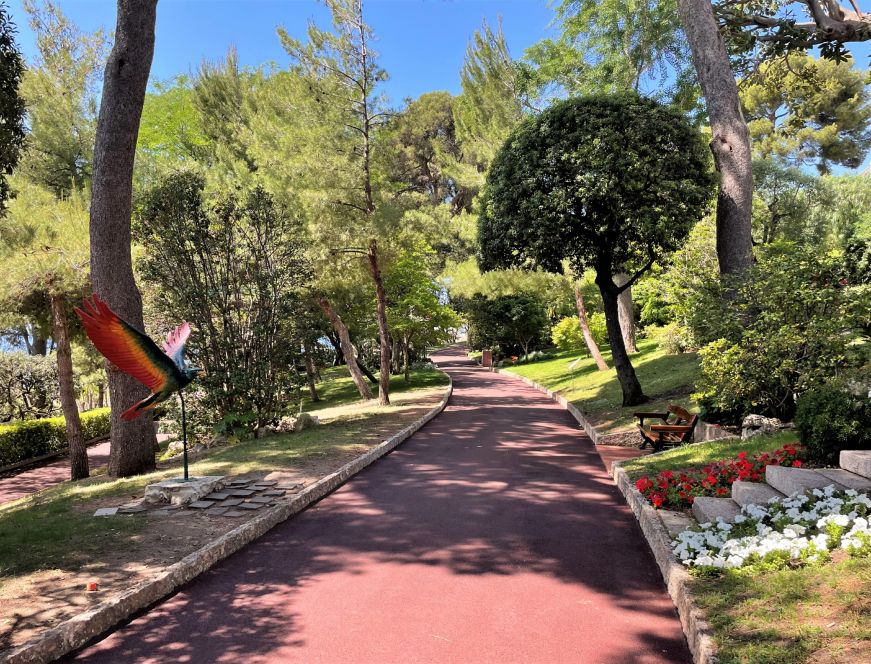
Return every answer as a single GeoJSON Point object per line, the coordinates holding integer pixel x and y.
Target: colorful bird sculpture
{"type": "Point", "coordinates": [164, 373]}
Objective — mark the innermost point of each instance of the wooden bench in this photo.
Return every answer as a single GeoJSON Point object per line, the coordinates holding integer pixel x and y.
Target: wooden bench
{"type": "Point", "coordinates": [672, 432]}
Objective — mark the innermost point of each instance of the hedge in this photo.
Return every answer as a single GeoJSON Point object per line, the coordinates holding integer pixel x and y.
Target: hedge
{"type": "Point", "coordinates": [20, 441]}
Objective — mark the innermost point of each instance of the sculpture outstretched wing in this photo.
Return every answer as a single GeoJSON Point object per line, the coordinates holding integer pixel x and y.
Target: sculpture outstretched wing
{"type": "Point", "coordinates": [175, 343]}
{"type": "Point", "coordinates": [124, 346]}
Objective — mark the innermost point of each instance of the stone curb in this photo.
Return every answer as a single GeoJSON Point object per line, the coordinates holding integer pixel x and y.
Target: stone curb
{"type": "Point", "coordinates": [77, 631]}
{"type": "Point", "coordinates": [597, 437]}
{"type": "Point", "coordinates": [697, 630]}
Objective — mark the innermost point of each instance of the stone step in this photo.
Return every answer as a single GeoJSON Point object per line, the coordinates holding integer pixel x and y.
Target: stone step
{"type": "Point", "coordinates": [707, 509]}
{"type": "Point", "coordinates": [856, 461]}
{"type": "Point", "coordinates": [675, 522]}
{"type": "Point", "coordinates": [846, 478]}
{"type": "Point", "coordinates": [796, 480]}
{"type": "Point", "coordinates": [753, 493]}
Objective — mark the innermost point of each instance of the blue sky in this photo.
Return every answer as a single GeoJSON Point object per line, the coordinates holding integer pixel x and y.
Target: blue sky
{"type": "Point", "coordinates": [422, 42]}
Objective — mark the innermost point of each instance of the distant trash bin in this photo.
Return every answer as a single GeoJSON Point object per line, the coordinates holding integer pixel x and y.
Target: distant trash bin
{"type": "Point", "coordinates": [487, 359]}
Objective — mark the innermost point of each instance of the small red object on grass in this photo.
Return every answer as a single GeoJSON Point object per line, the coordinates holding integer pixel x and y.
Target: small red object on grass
{"type": "Point", "coordinates": [91, 587]}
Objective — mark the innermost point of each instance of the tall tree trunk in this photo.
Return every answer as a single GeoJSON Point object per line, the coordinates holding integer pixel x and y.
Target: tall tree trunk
{"type": "Point", "coordinates": [369, 375]}
{"type": "Point", "coordinates": [731, 141]}
{"type": "Point", "coordinates": [592, 346]}
{"type": "Point", "coordinates": [67, 388]}
{"type": "Point", "coordinates": [310, 371]}
{"type": "Point", "coordinates": [383, 332]}
{"type": "Point", "coordinates": [101, 394]}
{"type": "Point", "coordinates": [339, 358]}
{"type": "Point", "coordinates": [124, 83]}
{"type": "Point", "coordinates": [39, 344]}
{"type": "Point", "coordinates": [347, 348]}
{"type": "Point", "coordinates": [405, 358]}
{"type": "Point", "coordinates": [627, 313]}
{"type": "Point", "coordinates": [631, 388]}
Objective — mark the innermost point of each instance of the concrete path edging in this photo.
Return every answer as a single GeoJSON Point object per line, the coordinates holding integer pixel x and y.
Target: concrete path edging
{"type": "Point", "coordinates": [698, 631]}
{"type": "Point", "coordinates": [696, 628]}
{"type": "Point", "coordinates": [77, 631]}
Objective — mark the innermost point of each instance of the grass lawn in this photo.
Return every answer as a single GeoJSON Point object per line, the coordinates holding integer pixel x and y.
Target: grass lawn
{"type": "Point", "coordinates": [699, 454]}
{"type": "Point", "coordinates": [664, 378]}
{"type": "Point", "coordinates": [54, 528]}
{"type": "Point", "coordinates": [793, 616]}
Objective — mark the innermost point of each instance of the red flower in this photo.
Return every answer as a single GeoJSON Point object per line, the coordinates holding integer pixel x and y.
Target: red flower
{"type": "Point", "coordinates": [643, 484]}
{"type": "Point", "coordinates": [796, 463]}
{"type": "Point", "coordinates": [657, 500]}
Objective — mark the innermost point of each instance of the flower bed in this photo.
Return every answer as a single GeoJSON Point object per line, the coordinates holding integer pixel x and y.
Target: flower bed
{"type": "Point", "coordinates": [677, 489]}
{"type": "Point", "coordinates": [801, 529]}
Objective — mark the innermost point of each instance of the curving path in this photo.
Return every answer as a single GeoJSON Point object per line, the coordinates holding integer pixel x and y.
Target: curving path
{"type": "Point", "coordinates": [35, 479]}
{"type": "Point", "coordinates": [492, 535]}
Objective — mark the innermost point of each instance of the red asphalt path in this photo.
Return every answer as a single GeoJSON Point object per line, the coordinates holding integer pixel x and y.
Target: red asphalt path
{"type": "Point", "coordinates": [492, 535]}
{"type": "Point", "coordinates": [36, 479]}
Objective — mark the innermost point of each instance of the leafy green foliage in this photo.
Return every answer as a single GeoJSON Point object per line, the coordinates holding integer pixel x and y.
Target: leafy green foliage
{"type": "Point", "coordinates": [233, 266]}
{"type": "Point", "coordinates": [20, 441]}
{"type": "Point", "coordinates": [417, 316]}
{"type": "Point", "coordinates": [809, 111]}
{"type": "Point", "coordinates": [600, 181]}
{"type": "Point", "coordinates": [28, 385]}
{"type": "Point", "coordinates": [795, 322]}
{"type": "Point", "coordinates": [567, 335]}
{"type": "Point", "coordinates": [11, 102]}
{"type": "Point", "coordinates": [614, 46]}
{"type": "Point", "coordinates": [831, 418]}
{"type": "Point", "coordinates": [61, 90]}
{"type": "Point", "coordinates": [491, 102]}
{"type": "Point", "coordinates": [508, 323]}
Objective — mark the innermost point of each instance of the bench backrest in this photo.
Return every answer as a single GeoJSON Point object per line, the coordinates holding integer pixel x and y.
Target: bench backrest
{"type": "Point", "coordinates": [684, 416]}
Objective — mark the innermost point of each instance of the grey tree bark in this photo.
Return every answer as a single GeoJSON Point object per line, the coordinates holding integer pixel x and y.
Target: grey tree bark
{"type": "Point", "coordinates": [731, 142]}
{"type": "Point", "coordinates": [592, 346]}
{"type": "Point", "coordinates": [347, 348]}
{"type": "Point", "coordinates": [66, 383]}
{"type": "Point", "coordinates": [383, 332]}
{"type": "Point", "coordinates": [124, 82]}
{"type": "Point", "coordinates": [626, 311]}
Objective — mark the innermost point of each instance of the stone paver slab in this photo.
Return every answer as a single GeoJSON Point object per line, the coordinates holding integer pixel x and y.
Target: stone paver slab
{"type": "Point", "coordinates": [106, 511]}
{"type": "Point", "coordinates": [856, 461]}
{"type": "Point", "coordinates": [217, 495]}
{"type": "Point", "coordinates": [201, 504]}
{"type": "Point", "coordinates": [753, 493]}
{"type": "Point", "coordinates": [846, 478]}
{"type": "Point", "coordinates": [675, 522]}
{"type": "Point", "coordinates": [707, 509]}
{"type": "Point", "coordinates": [242, 493]}
{"type": "Point", "coordinates": [790, 481]}
{"type": "Point", "coordinates": [250, 506]}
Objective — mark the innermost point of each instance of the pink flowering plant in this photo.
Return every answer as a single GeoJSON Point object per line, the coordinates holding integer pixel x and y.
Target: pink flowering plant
{"type": "Point", "coordinates": [676, 489]}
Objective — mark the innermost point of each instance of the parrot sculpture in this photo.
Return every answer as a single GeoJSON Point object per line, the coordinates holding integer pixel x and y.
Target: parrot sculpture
{"type": "Point", "coordinates": [164, 372]}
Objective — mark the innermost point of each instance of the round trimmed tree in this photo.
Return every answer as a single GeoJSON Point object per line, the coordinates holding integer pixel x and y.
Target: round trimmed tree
{"type": "Point", "coordinates": [605, 182]}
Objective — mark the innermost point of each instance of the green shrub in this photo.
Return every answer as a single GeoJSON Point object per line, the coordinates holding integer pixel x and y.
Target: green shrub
{"type": "Point", "coordinates": [796, 321]}
{"type": "Point", "coordinates": [669, 338]}
{"type": "Point", "coordinates": [830, 419]}
{"type": "Point", "coordinates": [20, 441]}
{"type": "Point", "coordinates": [566, 335]}
{"type": "Point", "coordinates": [28, 386]}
